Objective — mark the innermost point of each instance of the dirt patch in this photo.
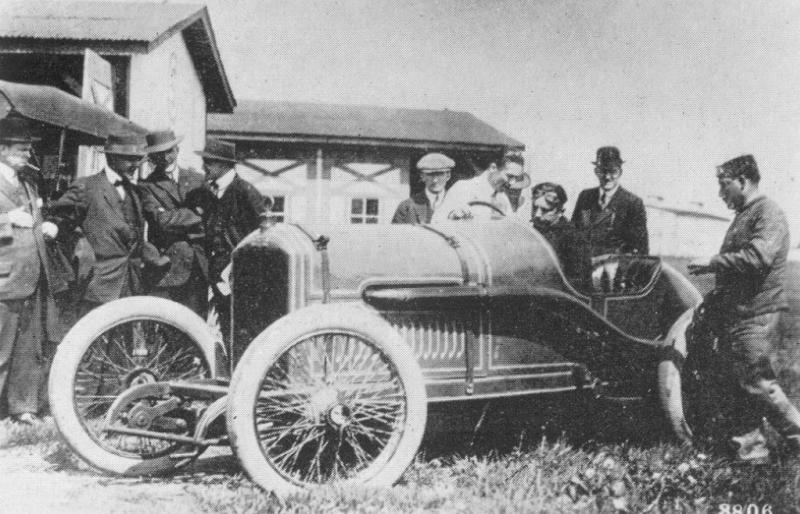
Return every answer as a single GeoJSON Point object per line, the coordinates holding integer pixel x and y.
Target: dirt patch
{"type": "Point", "coordinates": [48, 478]}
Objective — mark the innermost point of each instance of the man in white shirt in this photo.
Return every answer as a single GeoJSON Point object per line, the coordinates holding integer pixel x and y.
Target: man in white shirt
{"type": "Point", "coordinates": [27, 320]}
{"type": "Point", "coordinates": [434, 170]}
{"type": "Point", "coordinates": [485, 196]}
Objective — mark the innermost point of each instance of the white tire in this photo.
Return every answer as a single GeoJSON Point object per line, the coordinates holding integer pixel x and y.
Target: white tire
{"type": "Point", "coordinates": [325, 377]}
{"type": "Point", "coordinates": [126, 342]}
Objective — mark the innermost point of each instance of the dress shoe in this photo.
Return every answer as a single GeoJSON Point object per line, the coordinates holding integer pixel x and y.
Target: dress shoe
{"type": "Point", "coordinates": [26, 418]}
{"type": "Point", "coordinates": [752, 448]}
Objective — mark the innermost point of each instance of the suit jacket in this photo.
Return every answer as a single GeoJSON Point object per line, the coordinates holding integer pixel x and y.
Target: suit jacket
{"type": "Point", "coordinates": [571, 249]}
{"type": "Point", "coordinates": [619, 228]}
{"type": "Point", "coordinates": [227, 221]}
{"type": "Point", "coordinates": [94, 204]}
{"type": "Point", "coordinates": [174, 228]}
{"type": "Point", "coordinates": [23, 254]}
{"type": "Point", "coordinates": [416, 210]}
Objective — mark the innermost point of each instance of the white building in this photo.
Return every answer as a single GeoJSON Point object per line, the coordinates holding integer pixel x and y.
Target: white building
{"type": "Point", "coordinates": [684, 230]}
{"type": "Point", "coordinates": [348, 163]}
{"type": "Point", "coordinates": [165, 67]}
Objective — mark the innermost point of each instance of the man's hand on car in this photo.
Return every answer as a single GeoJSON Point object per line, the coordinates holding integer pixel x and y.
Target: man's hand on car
{"type": "Point", "coordinates": [20, 218]}
{"type": "Point", "coordinates": [700, 266]}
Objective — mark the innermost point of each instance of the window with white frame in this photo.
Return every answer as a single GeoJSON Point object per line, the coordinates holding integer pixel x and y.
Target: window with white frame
{"type": "Point", "coordinates": [364, 210]}
{"type": "Point", "coordinates": [278, 210]}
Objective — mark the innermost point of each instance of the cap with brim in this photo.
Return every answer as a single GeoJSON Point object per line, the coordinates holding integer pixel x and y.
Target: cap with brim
{"type": "Point", "coordinates": [133, 145]}
{"type": "Point", "coordinates": [435, 163]}
{"type": "Point", "coordinates": [16, 130]}
{"type": "Point", "coordinates": [162, 140]}
{"type": "Point", "coordinates": [217, 150]}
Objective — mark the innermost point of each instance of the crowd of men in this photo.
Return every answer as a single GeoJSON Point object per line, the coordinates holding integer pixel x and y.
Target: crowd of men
{"type": "Point", "coordinates": [743, 310]}
{"type": "Point", "coordinates": [172, 233]}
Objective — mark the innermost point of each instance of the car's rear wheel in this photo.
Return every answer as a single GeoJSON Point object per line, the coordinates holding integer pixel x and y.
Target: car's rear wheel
{"type": "Point", "coordinates": [696, 394]}
{"type": "Point", "coordinates": [123, 344]}
{"type": "Point", "coordinates": [326, 395]}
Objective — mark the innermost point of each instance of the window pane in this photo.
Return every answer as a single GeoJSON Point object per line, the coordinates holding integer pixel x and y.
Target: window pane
{"type": "Point", "coordinates": [372, 220]}
{"type": "Point", "coordinates": [372, 206]}
{"type": "Point", "coordinates": [279, 219]}
{"type": "Point", "coordinates": [355, 220]}
{"type": "Point", "coordinates": [278, 205]}
{"type": "Point", "coordinates": [357, 206]}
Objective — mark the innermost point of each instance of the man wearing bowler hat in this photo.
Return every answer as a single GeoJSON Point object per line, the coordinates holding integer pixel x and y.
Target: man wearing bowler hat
{"type": "Point", "coordinates": [174, 228]}
{"type": "Point", "coordinates": [231, 208]}
{"type": "Point", "coordinates": [108, 208]}
{"type": "Point", "coordinates": [27, 314]}
{"type": "Point", "coordinates": [612, 218]}
{"type": "Point", "coordinates": [745, 307]}
{"type": "Point", "coordinates": [434, 170]}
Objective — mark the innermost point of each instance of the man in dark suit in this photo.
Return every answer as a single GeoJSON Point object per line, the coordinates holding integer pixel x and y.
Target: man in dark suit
{"type": "Point", "coordinates": [231, 208]}
{"type": "Point", "coordinates": [612, 218]}
{"type": "Point", "coordinates": [175, 229]}
{"type": "Point", "coordinates": [434, 169]}
{"type": "Point", "coordinates": [27, 314]}
{"type": "Point", "coordinates": [108, 208]}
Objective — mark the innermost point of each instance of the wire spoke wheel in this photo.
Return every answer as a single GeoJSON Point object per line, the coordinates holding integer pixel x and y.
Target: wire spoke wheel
{"type": "Point", "coordinates": [327, 395]}
{"type": "Point", "coordinates": [129, 343]}
{"type": "Point", "coordinates": [136, 352]}
{"type": "Point", "coordinates": [330, 407]}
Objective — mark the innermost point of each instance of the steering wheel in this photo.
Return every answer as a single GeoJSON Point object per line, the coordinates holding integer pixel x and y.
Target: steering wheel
{"type": "Point", "coordinates": [481, 203]}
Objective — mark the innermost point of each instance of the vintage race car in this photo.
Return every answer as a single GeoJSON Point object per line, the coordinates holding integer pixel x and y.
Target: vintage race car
{"type": "Point", "coordinates": [343, 336]}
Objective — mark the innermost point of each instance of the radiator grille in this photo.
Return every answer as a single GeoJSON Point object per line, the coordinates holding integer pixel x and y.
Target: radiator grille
{"type": "Point", "coordinates": [436, 341]}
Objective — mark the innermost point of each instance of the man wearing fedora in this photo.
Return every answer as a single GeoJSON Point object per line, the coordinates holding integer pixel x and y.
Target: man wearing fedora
{"type": "Point", "coordinates": [174, 228]}
{"type": "Point", "coordinates": [612, 218]}
{"type": "Point", "coordinates": [434, 170]}
{"type": "Point", "coordinates": [745, 307]}
{"type": "Point", "coordinates": [107, 206]}
{"type": "Point", "coordinates": [231, 208]}
{"type": "Point", "coordinates": [27, 315]}
{"type": "Point", "coordinates": [486, 196]}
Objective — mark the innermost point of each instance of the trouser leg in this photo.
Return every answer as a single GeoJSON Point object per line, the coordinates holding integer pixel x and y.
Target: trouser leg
{"type": "Point", "coordinates": [27, 363]}
{"type": "Point", "coordinates": [752, 342]}
{"type": "Point", "coordinates": [9, 322]}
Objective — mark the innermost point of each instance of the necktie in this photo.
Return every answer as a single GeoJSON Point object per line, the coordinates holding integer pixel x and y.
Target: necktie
{"type": "Point", "coordinates": [124, 184]}
{"type": "Point", "coordinates": [214, 186]}
{"type": "Point", "coordinates": [436, 201]}
{"type": "Point", "coordinates": [602, 199]}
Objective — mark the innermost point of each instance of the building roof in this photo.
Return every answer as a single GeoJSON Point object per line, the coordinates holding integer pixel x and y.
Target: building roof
{"type": "Point", "coordinates": [51, 105]}
{"type": "Point", "coordinates": [691, 209]}
{"type": "Point", "coordinates": [121, 28]}
{"type": "Point", "coordinates": [356, 124]}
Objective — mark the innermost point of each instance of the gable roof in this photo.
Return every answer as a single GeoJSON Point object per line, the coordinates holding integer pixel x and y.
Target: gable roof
{"type": "Point", "coordinates": [356, 124]}
{"type": "Point", "coordinates": [122, 28]}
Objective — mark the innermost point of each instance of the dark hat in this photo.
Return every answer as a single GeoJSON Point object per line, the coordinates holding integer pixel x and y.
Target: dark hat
{"type": "Point", "coordinates": [608, 156]}
{"type": "Point", "coordinates": [548, 187]}
{"type": "Point", "coordinates": [161, 141]}
{"type": "Point", "coordinates": [126, 144]}
{"type": "Point", "coordinates": [433, 162]}
{"type": "Point", "coordinates": [742, 165]}
{"type": "Point", "coordinates": [16, 130]}
{"type": "Point", "coordinates": [219, 151]}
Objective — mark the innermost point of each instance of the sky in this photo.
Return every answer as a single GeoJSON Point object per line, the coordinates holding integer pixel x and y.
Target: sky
{"type": "Point", "coordinates": [679, 87]}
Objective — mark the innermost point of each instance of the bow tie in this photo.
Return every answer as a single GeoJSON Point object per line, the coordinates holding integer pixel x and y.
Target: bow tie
{"type": "Point", "coordinates": [122, 182]}
{"type": "Point", "coordinates": [213, 185]}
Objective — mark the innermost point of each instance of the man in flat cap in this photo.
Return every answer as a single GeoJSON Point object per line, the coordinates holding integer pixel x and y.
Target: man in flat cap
{"type": "Point", "coordinates": [107, 206]}
{"type": "Point", "coordinates": [485, 196]}
{"type": "Point", "coordinates": [612, 218]}
{"type": "Point", "coordinates": [231, 208]}
{"type": "Point", "coordinates": [174, 228]}
{"type": "Point", "coordinates": [27, 314]}
{"type": "Point", "coordinates": [434, 170]}
{"type": "Point", "coordinates": [745, 306]}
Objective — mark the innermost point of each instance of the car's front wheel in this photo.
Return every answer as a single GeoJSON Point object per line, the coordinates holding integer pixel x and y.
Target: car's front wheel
{"type": "Point", "coordinates": [329, 394]}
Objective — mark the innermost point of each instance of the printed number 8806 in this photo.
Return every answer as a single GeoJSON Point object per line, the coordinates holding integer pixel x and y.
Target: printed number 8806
{"type": "Point", "coordinates": [749, 508]}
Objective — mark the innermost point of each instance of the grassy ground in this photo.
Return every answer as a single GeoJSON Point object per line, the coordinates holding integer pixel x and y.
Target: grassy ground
{"type": "Point", "coordinates": [501, 468]}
